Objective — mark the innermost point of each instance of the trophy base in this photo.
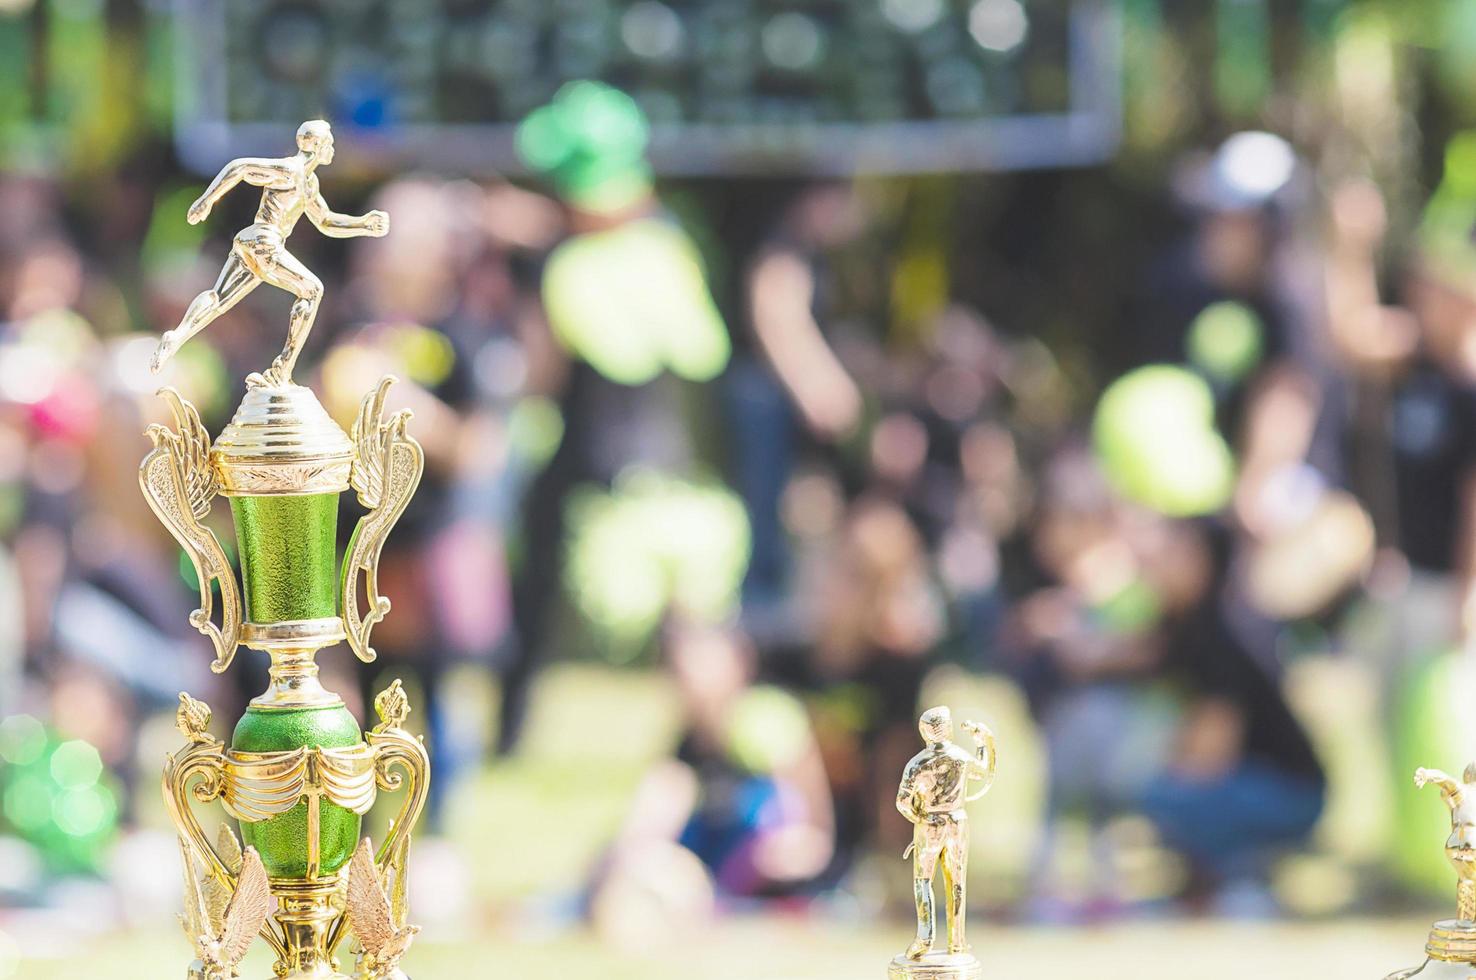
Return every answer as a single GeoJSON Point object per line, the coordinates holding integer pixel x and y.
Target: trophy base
{"type": "Point", "coordinates": [936, 966]}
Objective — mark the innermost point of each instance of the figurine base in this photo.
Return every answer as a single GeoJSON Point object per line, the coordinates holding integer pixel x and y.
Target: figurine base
{"type": "Point", "coordinates": [936, 966]}
{"type": "Point", "coordinates": [1452, 941]}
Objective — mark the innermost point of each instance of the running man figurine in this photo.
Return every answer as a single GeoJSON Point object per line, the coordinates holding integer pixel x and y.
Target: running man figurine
{"type": "Point", "coordinates": [932, 796]}
{"type": "Point", "coordinates": [259, 252]}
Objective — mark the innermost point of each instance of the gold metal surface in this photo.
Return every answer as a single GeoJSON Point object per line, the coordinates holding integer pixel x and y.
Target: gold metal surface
{"type": "Point", "coordinates": [179, 484]}
{"type": "Point", "coordinates": [282, 444]}
{"type": "Point", "coordinates": [1454, 940]}
{"type": "Point", "coordinates": [310, 919]}
{"type": "Point", "coordinates": [297, 634]}
{"type": "Point", "coordinates": [198, 773]}
{"type": "Point", "coordinates": [936, 966]}
{"type": "Point", "coordinates": [932, 796]}
{"type": "Point", "coordinates": [294, 671]}
{"type": "Point", "coordinates": [259, 251]}
{"type": "Point", "coordinates": [307, 914]}
{"type": "Point", "coordinates": [222, 934]}
{"type": "Point", "coordinates": [1460, 846]}
{"type": "Point", "coordinates": [376, 912]}
{"type": "Point", "coordinates": [281, 441]}
{"type": "Point", "coordinates": [387, 468]}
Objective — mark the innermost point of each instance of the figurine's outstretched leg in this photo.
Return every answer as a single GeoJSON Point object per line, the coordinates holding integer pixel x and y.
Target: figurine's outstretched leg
{"type": "Point", "coordinates": [955, 862]}
{"type": "Point", "coordinates": [922, 890]}
{"type": "Point", "coordinates": [234, 282]}
{"type": "Point", "coordinates": [286, 272]}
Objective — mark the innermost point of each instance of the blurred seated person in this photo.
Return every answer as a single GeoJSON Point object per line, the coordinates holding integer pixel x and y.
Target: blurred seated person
{"type": "Point", "coordinates": [1243, 783]}
{"type": "Point", "coordinates": [744, 792]}
{"type": "Point", "coordinates": [1083, 638]}
{"type": "Point", "coordinates": [878, 621]}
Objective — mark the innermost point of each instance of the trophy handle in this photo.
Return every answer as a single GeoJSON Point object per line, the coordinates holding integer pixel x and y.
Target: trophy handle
{"type": "Point", "coordinates": [399, 758]}
{"type": "Point", "coordinates": [200, 772]}
{"type": "Point", "coordinates": [179, 484]}
{"type": "Point", "coordinates": [387, 467]}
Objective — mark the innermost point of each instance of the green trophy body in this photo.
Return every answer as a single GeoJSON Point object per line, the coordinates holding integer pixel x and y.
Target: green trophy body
{"type": "Point", "coordinates": [282, 840]}
{"type": "Point", "coordinates": [287, 559]}
{"type": "Point", "coordinates": [288, 573]}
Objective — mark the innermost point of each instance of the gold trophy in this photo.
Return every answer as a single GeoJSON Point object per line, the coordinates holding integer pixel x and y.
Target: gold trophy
{"type": "Point", "coordinates": [298, 773]}
{"type": "Point", "coordinates": [1451, 948]}
{"type": "Point", "coordinates": [932, 796]}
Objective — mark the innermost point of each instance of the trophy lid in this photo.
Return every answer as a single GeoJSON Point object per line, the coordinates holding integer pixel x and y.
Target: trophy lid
{"type": "Point", "coordinates": [282, 442]}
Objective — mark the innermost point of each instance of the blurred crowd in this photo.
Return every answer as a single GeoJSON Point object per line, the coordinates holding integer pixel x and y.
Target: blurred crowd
{"type": "Point", "coordinates": [717, 433]}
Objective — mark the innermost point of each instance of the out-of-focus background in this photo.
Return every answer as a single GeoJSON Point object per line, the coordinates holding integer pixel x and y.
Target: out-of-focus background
{"type": "Point", "coordinates": [1105, 369]}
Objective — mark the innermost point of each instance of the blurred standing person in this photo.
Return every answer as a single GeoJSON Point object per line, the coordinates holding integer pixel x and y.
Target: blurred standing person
{"type": "Point", "coordinates": [1238, 303]}
{"type": "Point", "coordinates": [626, 297]}
{"type": "Point", "coordinates": [414, 322]}
{"type": "Point", "coordinates": [1418, 365]}
{"type": "Point", "coordinates": [786, 372]}
{"type": "Point", "coordinates": [1419, 361]}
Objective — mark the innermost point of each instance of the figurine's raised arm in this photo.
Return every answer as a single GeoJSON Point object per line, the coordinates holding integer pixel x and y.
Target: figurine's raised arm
{"type": "Point", "coordinates": [1450, 790]}
{"type": "Point", "coordinates": [375, 224]}
{"type": "Point", "coordinates": [983, 762]}
{"type": "Point", "coordinates": [258, 171]}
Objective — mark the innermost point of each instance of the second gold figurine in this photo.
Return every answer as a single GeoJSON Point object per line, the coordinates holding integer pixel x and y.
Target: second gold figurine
{"type": "Point", "coordinates": [932, 796]}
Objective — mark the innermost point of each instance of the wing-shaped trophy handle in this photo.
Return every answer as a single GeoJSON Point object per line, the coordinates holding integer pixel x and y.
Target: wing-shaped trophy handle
{"type": "Point", "coordinates": [199, 773]}
{"type": "Point", "coordinates": [386, 471]}
{"type": "Point", "coordinates": [179, 484]}
{"type": "Point", "coordinates": [400, 760]}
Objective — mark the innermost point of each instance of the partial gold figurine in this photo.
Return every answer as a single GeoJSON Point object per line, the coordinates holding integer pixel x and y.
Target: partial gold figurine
{"type": "Point", "coordinates": [1460, 846]}
{"type": "Point", "coordinates": [1450, 949]}
{"type": "Point", "coordinates": [259, 251]}
{"type": "Point", "coordinates": [932, 796]}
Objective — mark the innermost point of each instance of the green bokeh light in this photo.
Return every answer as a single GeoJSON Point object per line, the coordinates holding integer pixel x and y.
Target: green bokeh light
{"type": "Point", "coordinates": [22, 740]}
{"type": "Point", "coordinates": [75, 765]}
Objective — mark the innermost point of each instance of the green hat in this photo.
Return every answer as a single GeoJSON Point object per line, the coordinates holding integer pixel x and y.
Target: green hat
{"type": "Point", "coordinates": [1447, 249]}
{"type": "Point", "coordinates": [590, 141]}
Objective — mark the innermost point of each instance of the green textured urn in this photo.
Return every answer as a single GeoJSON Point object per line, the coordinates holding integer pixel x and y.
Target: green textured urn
{"type": "Point", "coordinates": [282, 840]}
{"type": "Point", "coordinates": [286, 545]}
{"type": "Point", "coordinates": [283, 463]}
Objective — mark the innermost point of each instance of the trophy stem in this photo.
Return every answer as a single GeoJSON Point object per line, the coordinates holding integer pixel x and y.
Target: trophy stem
{"type": "Point", "coordinates": [292, 647]}
{"type": "Point", "coordinates": [294, 681]}
{"type": "Point", "coordinates": [306, 914]}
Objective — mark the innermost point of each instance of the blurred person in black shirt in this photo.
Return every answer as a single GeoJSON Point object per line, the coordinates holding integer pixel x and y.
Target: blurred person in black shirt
{"type": "Point", "coordinates": [786, 386]}
{"type": "Point", "coordinates": [1417, 367]}
{"type": "Point", "coordinates": [416, 320]}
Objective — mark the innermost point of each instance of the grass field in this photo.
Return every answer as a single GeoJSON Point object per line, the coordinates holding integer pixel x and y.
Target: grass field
{"type": "Point", "coordinates": [524, 834]}
{"type": "Point", "coordinates": [775, 949]}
